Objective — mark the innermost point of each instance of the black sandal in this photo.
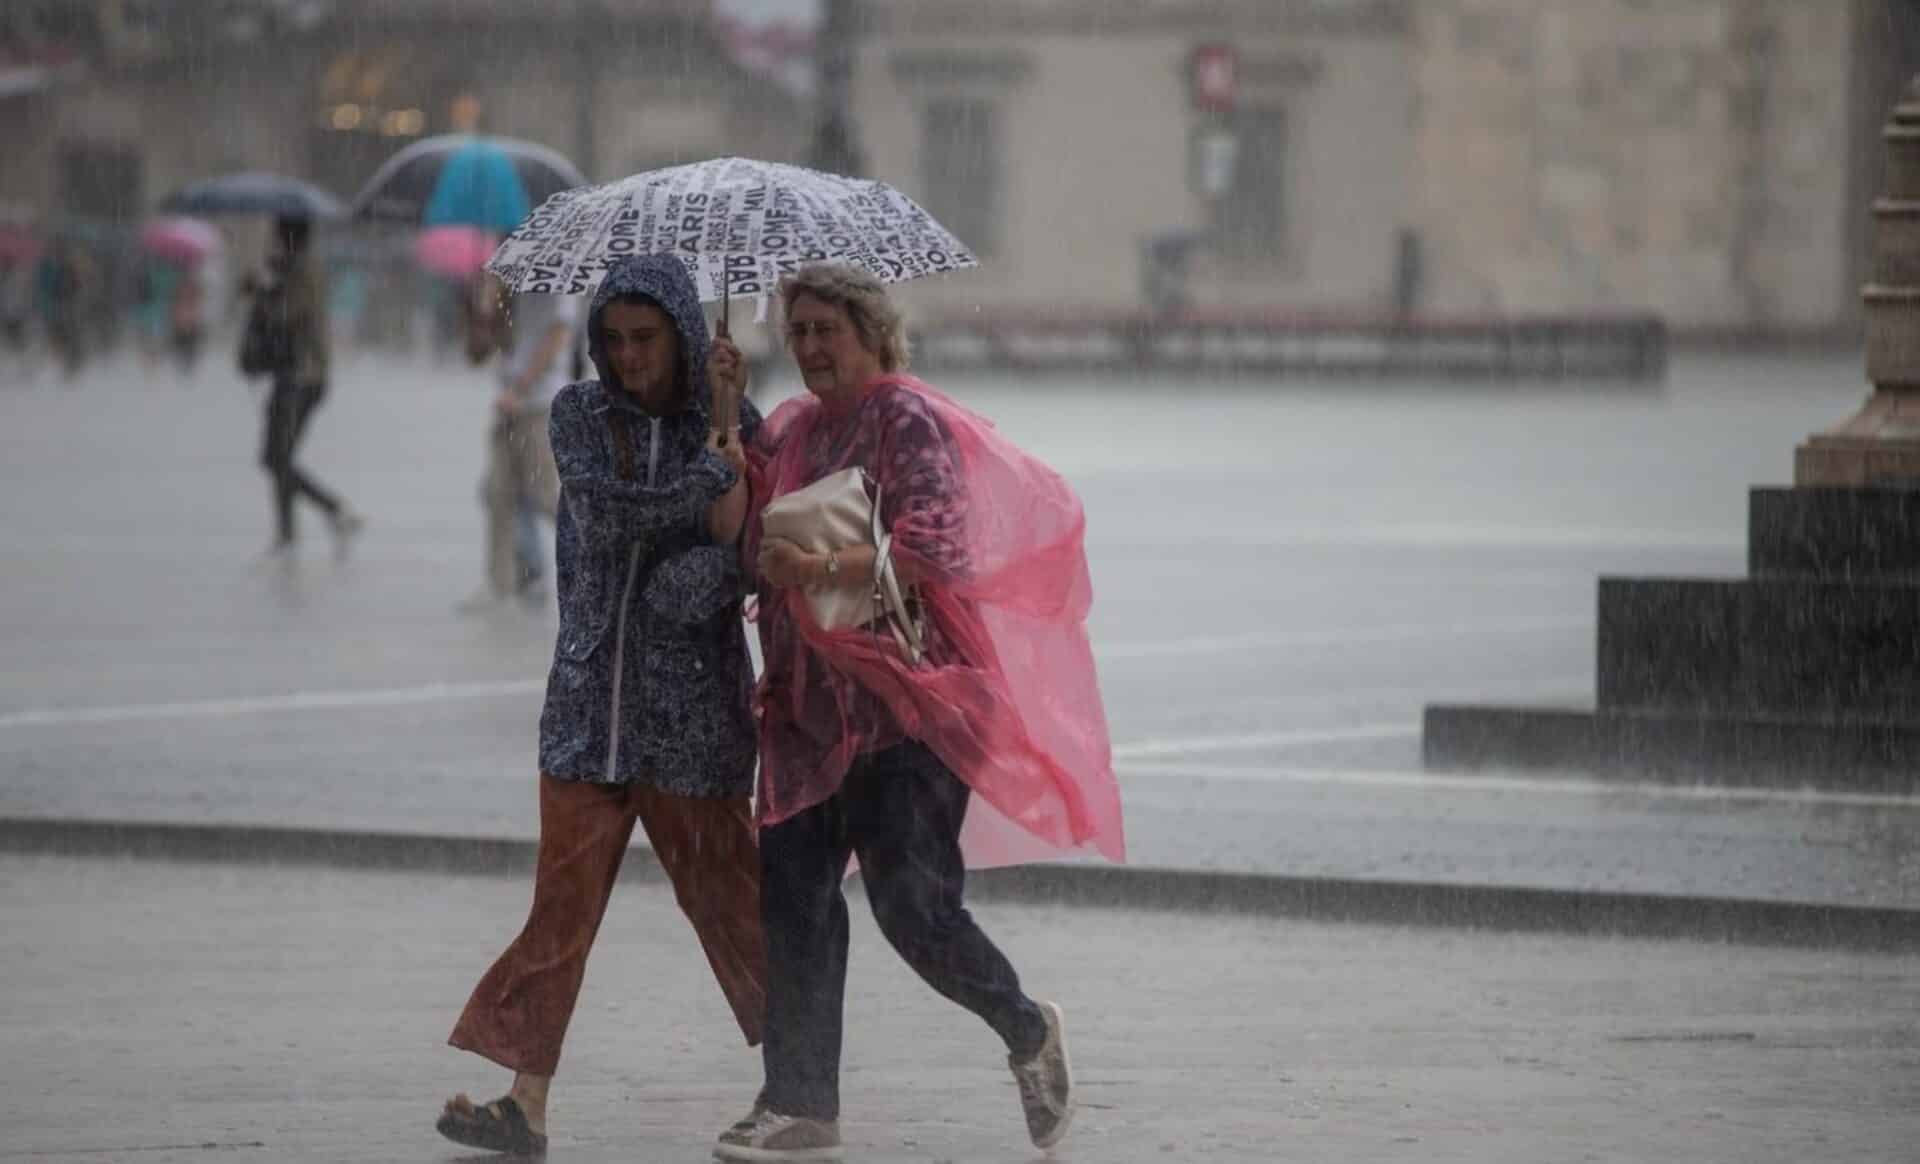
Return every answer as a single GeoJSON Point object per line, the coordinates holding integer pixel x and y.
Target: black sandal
{"type": "Point", "coordinates": [499, 1126]}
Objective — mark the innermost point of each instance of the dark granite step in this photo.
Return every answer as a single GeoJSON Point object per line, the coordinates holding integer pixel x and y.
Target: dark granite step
{"type": "Point", "coordinates": [1850, 755]}
{"type": "Point", "coordinates": [1769, 646]}
{"type": "Point", "coordinates": [1834, 533]}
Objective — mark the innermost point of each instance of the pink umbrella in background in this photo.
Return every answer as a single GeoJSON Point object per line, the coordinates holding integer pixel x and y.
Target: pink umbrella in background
{"type": "Point", "coordinates": [180, 240]}
{"type": "Point", "coordinates": [454, 251]}
{"type": "Point", "coordinates": [18, 244]}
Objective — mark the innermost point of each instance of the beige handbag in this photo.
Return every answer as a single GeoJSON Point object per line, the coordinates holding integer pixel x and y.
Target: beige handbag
{"type": "Point", "coordinates": [836, 513]}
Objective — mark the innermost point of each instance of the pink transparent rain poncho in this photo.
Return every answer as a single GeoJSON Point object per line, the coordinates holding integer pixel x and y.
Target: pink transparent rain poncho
{"type": "Point", "coordinates": [1006, 694]}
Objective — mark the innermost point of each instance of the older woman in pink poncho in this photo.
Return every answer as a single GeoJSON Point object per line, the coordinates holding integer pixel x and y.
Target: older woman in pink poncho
{"type": "Point", "coordinates": [991, 749]}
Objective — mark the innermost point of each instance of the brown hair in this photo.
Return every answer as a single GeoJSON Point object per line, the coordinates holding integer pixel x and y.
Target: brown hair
{"type": "Point", "coordinates": [879, 324]}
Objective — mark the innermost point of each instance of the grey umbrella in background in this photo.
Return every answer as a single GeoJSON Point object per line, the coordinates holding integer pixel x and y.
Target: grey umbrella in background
{"type": "Point", "coordinates": [253, 192]}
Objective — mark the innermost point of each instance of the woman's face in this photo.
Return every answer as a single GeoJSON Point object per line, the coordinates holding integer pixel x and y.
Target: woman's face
{"type": "Point", "coordinates": [642, 348]}
{"type": "Point", "coordinates": [827, 349]}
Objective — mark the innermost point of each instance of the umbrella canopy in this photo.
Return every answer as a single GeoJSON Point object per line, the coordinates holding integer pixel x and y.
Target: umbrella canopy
{"type": "Point", "coordinates": [738, 224]}
{"type": "Point", "coordinates": [478, 187]}
{"type": "Point", "coordinates": [453, 251]}
{"type": "Point", "coordinates": [255, 192]}
{"type": "Point", "coordinates": [180, 240]}
{"type": "Point", "coordinates": [464, 180]}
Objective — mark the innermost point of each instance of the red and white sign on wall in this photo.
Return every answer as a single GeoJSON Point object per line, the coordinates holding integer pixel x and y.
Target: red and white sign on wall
{"type": "Point", "coordinates": [1215, 77]}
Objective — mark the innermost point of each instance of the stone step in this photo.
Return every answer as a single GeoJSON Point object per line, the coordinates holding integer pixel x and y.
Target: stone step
{"type": "Point", "coordinates": [1859, 756]}
{"type": "Point", "coordinates": [1766, 646]}
{"type": "Point", "coordinates": [1834, 533]}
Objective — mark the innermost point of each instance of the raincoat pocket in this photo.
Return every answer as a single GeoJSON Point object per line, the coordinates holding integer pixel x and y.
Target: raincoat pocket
{"type": "Point", "coordinates": [670, 664]}
{"type": "Point", "coordinates": [571, 677]}
{"type": "Point", "coordinates": [694, 585]}
{"type": "Point", "coordinates": [577, 644]}
{"type": "Point", "coordinates": [684, 692]}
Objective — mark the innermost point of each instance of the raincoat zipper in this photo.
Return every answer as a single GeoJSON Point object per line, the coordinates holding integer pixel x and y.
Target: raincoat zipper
{"type": "Point", "coordinates": [653, 446]}
{"type": "Point", "coordinates": [620, 623]}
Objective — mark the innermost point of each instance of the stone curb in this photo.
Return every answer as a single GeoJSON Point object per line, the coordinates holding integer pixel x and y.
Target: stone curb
{"type": "Point", "coordinates": [1339, 899]}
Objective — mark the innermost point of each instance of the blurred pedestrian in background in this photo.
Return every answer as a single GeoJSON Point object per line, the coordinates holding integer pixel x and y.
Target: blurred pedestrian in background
{"type": "Point", "coordinates": [449, 315]}
{"type": "Point", "coordinates": [154, 281]}
{"type": "Point", "coordinates": [287, 338]}
{"type": "Point", "coordinates": [67, 278]}
{"type": "Point", "coordinates": [879, 746]}
{"type": "Point", "coordinates": [647, 715]}
{"type": "Point", "coordinates": [16, 316]}
{"type": "Point", "coordinates": [187, 319]}
{"type": "Point", "coordinates": [535, 339]}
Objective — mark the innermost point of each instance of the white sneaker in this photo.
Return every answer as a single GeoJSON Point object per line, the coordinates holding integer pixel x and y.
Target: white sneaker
{"type": "Point", "coordinates": [768, 1135]}
{"type": "Point", "coordinates": [1046, 1083]}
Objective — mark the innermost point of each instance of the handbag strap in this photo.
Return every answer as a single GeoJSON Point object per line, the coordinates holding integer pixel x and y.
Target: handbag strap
{"type": "Point", "coordinates": [887, 594]}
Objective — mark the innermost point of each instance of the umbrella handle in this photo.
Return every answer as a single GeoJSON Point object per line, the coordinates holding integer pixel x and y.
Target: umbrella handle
{"type": "Point", "coordinates": [723, 417]}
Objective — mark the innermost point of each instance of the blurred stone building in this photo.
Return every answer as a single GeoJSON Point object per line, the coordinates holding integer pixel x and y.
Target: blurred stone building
{"type": "Point", "coordinates": [105, 105]}
{"type": "Point", "coordinates": [1694, 157]}
{"type": "Point", "coordinates": [1069, 140]}
{"type": "Point", "coordinates": [1707, 160]}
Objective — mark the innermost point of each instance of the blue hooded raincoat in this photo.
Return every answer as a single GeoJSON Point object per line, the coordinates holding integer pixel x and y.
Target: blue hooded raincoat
{"type": "Point", "coordinates": [651, 680]}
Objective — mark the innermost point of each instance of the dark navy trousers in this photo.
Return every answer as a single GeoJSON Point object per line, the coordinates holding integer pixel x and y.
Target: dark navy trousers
{"type": "Point", "coordinates": [899, 811]}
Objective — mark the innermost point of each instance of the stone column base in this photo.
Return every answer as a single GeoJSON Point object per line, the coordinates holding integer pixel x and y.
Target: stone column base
{"type": "Point", "coordinates": [1839, 461]}
{"type": "Point", "coordinates": [1878, 446]}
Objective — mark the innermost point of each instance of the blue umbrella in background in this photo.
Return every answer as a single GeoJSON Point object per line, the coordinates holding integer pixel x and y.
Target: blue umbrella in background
{"type": "Point", "coordinates": [490, 183]}
{"type": "Point", "coordinates": [478, 187]}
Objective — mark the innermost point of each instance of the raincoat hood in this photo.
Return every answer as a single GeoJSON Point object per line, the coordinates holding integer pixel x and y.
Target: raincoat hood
{"type": "Point", "coordinates": [663, 279]}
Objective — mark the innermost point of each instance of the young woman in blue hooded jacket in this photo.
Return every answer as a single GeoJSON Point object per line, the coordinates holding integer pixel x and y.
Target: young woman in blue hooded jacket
{"type": "Point", "coordinates": [647, 715]}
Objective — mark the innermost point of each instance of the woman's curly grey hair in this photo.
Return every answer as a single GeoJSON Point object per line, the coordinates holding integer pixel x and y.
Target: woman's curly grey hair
{"type": "Point", "coordinates": [879, 324]}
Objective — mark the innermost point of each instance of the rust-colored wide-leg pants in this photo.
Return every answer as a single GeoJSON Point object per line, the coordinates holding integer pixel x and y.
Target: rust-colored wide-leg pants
{"type": "Point", "coordinates": [518, 1014]}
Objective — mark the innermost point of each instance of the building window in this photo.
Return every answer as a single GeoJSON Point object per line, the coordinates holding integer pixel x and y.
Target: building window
{"type": "Point", "coordinates": [1250, 216]}
{"type": "Point", "coordinates": [960, 168]}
